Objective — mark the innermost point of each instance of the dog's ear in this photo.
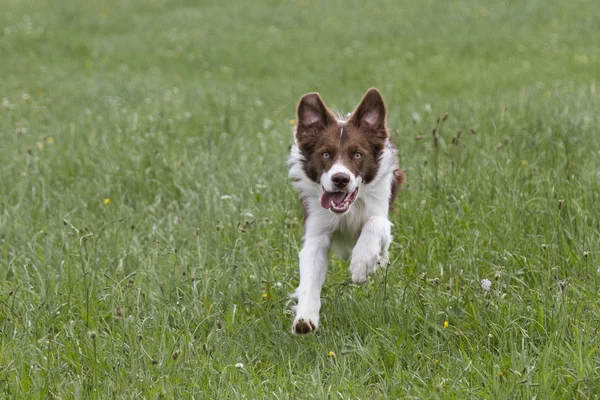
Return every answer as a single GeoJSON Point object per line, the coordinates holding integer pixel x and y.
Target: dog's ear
{"type": "Point", "coordinates": [370, 114]}
{"type": "Point", "coordinates": [313, 115]}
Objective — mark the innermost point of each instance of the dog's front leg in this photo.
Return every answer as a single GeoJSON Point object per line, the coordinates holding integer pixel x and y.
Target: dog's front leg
{"type": "Point", "coordinates": [313, 268]}
{"type": "Point", "coordinates": [371, 248]}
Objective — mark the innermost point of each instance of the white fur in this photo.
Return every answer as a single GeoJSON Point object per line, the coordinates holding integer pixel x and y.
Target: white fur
{"type": "Point", "coordinates": [363, 232]}
{"type": "Point", "coordinates": [338, 167]}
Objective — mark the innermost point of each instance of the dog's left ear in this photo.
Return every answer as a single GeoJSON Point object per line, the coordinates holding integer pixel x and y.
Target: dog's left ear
{"type": "Point", "coordinates": [370, 114]}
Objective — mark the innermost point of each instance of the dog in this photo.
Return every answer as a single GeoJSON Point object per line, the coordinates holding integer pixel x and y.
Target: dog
{"type": "Point", "coordinates": [345, 170]}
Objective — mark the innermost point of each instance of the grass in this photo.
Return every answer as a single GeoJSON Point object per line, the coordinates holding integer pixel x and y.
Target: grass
{"type": "Point", "coordinates": [145, 211]}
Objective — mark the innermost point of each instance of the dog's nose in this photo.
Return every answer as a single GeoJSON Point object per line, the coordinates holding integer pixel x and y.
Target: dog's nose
{"type": "Point", "coordinates": [340, 180]}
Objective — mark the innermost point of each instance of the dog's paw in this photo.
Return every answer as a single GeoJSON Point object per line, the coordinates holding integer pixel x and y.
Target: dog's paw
{"type": "Point", "coordinates": [304, 325]}
{"type": "Point", "coordinates": [360, 271]}
{"type": "Point", "coordinates": [383, 259]}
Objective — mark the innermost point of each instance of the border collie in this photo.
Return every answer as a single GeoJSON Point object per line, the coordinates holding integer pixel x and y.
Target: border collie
{"type": "Point", "coordinates": [346, 172]}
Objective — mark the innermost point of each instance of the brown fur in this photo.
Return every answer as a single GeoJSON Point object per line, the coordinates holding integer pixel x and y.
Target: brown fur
{"type": "Point", "coordinates": [397, 181]}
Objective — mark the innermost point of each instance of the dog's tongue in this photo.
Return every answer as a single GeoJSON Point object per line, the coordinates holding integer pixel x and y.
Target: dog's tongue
{"type": "Point", "coordinates": [328, 197]}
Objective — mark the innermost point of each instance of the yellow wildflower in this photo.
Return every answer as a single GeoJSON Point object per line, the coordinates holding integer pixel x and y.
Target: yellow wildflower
{"type": "Point", "coordinates": [445, 324]}
{"type": "Point", "coordinates": [106, 200]}
{"type": "Point", "coordinates": [292, 121]}
{"type": "Point", "coordinates": [524, 163]}
{"type": "Point", "coordinates": [264, 296]}
{"type": "Point", "coordinates": [50, 140]}
{"type": "Point", "coordinates": [331, 354]}
{"type": "Point", "coordinates": [38, 145]}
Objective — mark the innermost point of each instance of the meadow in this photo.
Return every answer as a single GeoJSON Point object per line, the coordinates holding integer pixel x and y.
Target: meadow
{"type": "Point", "coordinates": [149, 235]}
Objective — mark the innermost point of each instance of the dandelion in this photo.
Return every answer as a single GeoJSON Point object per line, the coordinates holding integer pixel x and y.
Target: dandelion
{"type": "Point", "coordinates": [292, 122]}
{"type": "Point", "coordinates": [92, 335]}
{"type": "Point", "coordinates": [331, 354]}
{"type": "Point", "coordinates": [239, 365]}
{"type": "Point", "coordinates": [437, 362]}
{"type": "Point", "coordinates": [38, 145]}
{"type": "Point", "coordinates": [416, 117]}
{"type": "Point", "coordinates": [50, 140]}
{"type": "Point", "coordinates": [428, 107]}
{"type": "Point", "coordinates": [500, 374]}
{"type": "Point", "coordinates": [106, 200]}
{"type": "Point", "coordinates": [446, 324]}
{"type": "Point", "coordinates": [486, 284]}
{"type": "Point", "coordinates": [264, 296]}
{"type": "Point", "coordinates": [524, 163]}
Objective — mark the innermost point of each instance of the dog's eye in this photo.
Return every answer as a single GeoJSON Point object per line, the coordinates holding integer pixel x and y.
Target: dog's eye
{"type": "Point", "coordinates": [358, 154]}
{"type": "Point", "coordinates": [325, 154]}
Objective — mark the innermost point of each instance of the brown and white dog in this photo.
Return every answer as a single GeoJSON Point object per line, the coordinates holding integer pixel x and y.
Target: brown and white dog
{"type": "Point", "coordinates": [346, 172]}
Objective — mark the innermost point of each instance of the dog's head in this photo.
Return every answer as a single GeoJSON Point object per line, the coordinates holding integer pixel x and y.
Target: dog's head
{"type": "Point", "coordinates": [341, 155]}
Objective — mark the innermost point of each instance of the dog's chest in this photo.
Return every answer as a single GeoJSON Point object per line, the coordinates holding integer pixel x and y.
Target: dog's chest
{"type": "Point", "coordinates": [351, 223]}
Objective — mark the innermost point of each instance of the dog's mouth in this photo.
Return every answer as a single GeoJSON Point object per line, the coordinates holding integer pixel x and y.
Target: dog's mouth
{"type": "Point", "coordinates": [338, 202]}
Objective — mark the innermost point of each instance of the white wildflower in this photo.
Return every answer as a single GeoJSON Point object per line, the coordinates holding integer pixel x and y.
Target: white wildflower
{"type": "Point", "coordinates": [267, 123]}
{"type": "Point", "coordinates": [428, 108]}
{"type": "Point", "coordinates": [486, 284]}
{"type": "Point", "coordinates": [416, 117]}
{"type": "Point", "coordinates": [225, 197]}
{"type": "Point", "coordinates": [239, 365]}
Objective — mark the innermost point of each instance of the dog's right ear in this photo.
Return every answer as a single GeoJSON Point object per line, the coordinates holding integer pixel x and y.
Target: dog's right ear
{"type": "Point", "coordinates": [313, 115]}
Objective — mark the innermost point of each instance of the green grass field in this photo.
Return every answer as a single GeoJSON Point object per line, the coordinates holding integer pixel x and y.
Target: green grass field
{"type": "Point", "coordinates": [149, 235]}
